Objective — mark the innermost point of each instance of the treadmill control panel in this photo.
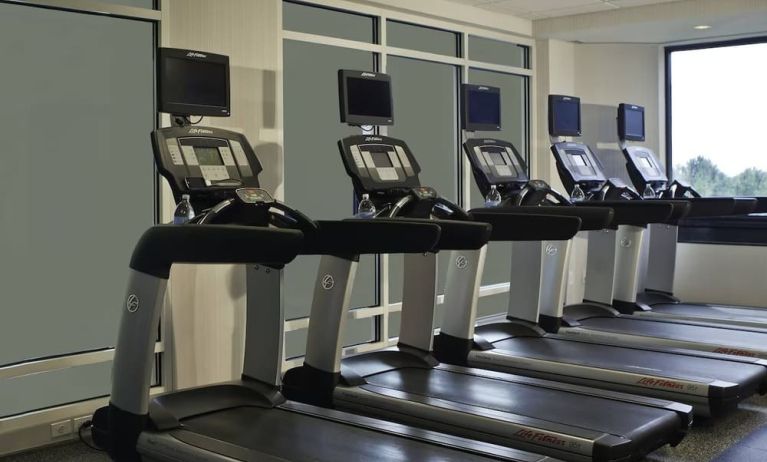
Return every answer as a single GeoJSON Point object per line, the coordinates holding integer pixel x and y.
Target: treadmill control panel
{"type": "Point", "coordinates": [644, 168]}
{"type": "Point", "coordinates": [379, 164]}
{"type": "Point", "coordinates": [204, 159]}
{"type": "Point", "coordinates": [577, 164]}
{"type": "Point", "coordinates": [495, 162]}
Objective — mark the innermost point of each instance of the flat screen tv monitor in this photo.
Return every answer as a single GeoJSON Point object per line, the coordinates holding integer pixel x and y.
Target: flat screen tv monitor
{"type": "Point", "coordinates": [631, 122]}
{"type": "Point", "coordinates": [481, 108]}
{"type": "Point", "coordinates": [564, 115]}
{"type": "Point", "coordinates": [193, 83]}
{"type": "Point", "coordinates": [365, 98]}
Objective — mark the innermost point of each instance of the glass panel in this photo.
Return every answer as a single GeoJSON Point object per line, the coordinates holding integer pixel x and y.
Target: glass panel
{"type": "Point", "coordinates": [498, 52]}
{"type": "Point", "coordinates": [425, 117]}
{"type": "Point", "coordinates": [514, 120]}
{"type": "Point", "coordinates": [357, 331]}
{"type": "Point", "coordinates": [403, 35]}
{"type": "Point", "coordinates": [75, 149]}
{"type": "Point", "coordinates": [316, 182]}
{"type": "Point", "coordinates": [325, 21]}
{"type": "Point", "coordinates": [493, 305]}
{"type": "Point", "coordinates": [717, 110]}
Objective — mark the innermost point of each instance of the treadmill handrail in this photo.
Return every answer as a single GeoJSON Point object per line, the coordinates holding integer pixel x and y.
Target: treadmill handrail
{"type": "Point", "coordinates": [455, 234]}
{"type": "Point", "coordinates": [637, 213]}
{"type": "Point", "coordinates": [511, 226]}
{"type": "Point", "coordinates": [371, 236]}
{"type": "Point", "coordinates": [592, 218]}
{"type": "Point", "coordinates": [163, 245]}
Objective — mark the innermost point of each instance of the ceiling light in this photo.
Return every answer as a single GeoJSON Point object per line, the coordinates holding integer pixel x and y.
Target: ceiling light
{"type": "Point", "coordinates": [702, 27]}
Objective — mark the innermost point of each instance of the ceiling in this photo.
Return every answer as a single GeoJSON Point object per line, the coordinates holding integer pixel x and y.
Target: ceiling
{"type": "Point", "coordinates": [540, 9]}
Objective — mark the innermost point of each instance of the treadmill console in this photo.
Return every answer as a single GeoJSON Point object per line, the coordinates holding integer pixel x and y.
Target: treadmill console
{"type": "Point", "coordinates": [578, 165]}
{"type": "Point", "coordinates": [644, 169]}
{"type": "Point", "coordinates": [496, 163]}
{"type": "Point", "coordinates": [380, 166]}
{"type": "Point", "coordinates": [207, 163]}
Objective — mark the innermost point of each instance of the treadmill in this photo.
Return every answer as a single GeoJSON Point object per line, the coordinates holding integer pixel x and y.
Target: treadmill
{"type": "Point", "coordinates": [517, 343]}
{"type": "Point", "coordinates": [406, 383]}
{"type": "Point", "coordinates": [613, 259]}
{"type": "Point", "coordinates": [647, 175]}
{"type": "Point", "coordinates": [247, 419]}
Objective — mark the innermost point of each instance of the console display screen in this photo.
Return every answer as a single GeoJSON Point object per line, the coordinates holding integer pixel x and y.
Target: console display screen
{"type": "Point", "coordinates": [634, 124]}
{"type": "Point", "coordinates": [367, 97]}
{"type": "Point", "coordinates": [484, 108]}
{"type": "Point", "coordinates": [200, 86]}
{"type": "Point", "coordinates": [381, 159]}
{"type": "Point", "coordinates": [208, 156]}
{"type": "Point", "coordinates": [646, 163]}
{"type": "Point", "coordinates": [578, 159]}
{"type": "Point", "coordinates": [497, 158]}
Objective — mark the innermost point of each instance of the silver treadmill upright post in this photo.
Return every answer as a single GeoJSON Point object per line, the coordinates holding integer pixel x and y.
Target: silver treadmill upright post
{"type": "Point", "coordinates": [464, 279]}
{"type": "Point", "coordinates": [661, 260]}
{"type": "Point", "coordinates": [538, 270]}
{"type": "Point", "coordinates": [264, 324]}
{"type": "Point", "coordinates": [555, 257]}
{"type": "Point", "coordinates": [419, 300]}
{"type": "Point", "coordinates": [134, 355]}
{"type": "Point", "coordinates": [627, 254]}
{"type": "Point", "coordinates": [332, 297]}
{"type": "Point", "coordinates": [600, 267]}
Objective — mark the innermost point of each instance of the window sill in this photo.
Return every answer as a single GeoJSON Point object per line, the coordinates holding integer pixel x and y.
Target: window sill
{"type": "Point", "coordinates": [741, 230]}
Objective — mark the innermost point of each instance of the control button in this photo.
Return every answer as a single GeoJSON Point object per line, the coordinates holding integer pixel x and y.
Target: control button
{"type": "Point", "coordinates": [175, 152]}
{"type": "Point", "coordinates": [388, 174]}
{"type": "Point", "coordinates": [239, 153]}
{"type": "Point", "coordinates": [355, 150]}
{"type": "Point", "coordinates": [405, 161]}
{"type": "Point", "coordinates": [226, 156]}
{"type": "Point", "coordinates": [189, 155]}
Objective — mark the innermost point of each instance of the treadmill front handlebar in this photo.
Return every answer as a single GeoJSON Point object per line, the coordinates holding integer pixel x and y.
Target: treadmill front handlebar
{"type": "Point", "coordinates": [369, 236]}
{"type": "Point", "coordinates": [511, 226]}
{"type": "Point", "coordinates": [635, 213]}
{"type": "Point", "coordinates": [163, 245]}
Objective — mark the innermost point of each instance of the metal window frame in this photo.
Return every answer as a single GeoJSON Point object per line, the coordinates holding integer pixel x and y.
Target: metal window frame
{"type": "Point", "coordinates": [463, 63]}
{"type": "Point", "coordinates": [31, 429]}
{"type": "Point", "coordinates": [712, 231]}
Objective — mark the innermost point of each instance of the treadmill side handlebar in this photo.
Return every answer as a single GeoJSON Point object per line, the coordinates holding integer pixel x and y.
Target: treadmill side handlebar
{"type": "Point", "coordinates": [510, 226]}
{"type": "Point", "coordinates": [163, 245]}
{"type": "Point", "coordinates": [592, 218]}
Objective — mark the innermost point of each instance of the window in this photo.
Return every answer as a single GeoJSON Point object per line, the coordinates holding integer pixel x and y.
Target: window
{"type": "Point", "coordinates": [716, 102]}
{"type": "Point", "coordinates": [428, 60]}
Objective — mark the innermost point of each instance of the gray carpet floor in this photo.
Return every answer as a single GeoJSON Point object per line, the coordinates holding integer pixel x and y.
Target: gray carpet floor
{"type": "Point", "coordinates": [707, 441]}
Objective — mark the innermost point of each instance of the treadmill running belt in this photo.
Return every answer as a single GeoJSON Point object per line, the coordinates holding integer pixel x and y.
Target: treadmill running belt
{"type": "Point", "coordinates": [612, 417]}
{"type": "Point", "coordinates": [247, 432]}
{"type": "Point", "coordinates": [632, 360]}
{"type": "Point", "coordinates": [686, 332]}
{"type": "Point", "coordinates": [685, 309]}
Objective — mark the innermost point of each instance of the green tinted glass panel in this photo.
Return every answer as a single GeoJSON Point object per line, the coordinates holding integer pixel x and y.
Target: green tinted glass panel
{"type": "Point", "coordinates": [498, 52]}
{"type": "Point", "coordinates": [403, 35]}
{"type": "Point", "coordinates": [315, 180]}
{"type": "Point", "coordinates": [425, 117]}
{"type": "Point", "coordinates": [324, 21]}
{"type": "Point", "coordinates": [514, 121]}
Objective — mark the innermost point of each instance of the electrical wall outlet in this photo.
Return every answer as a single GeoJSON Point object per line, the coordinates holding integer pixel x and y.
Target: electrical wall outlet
{"type": "Point", "coordinates": [61, 429]}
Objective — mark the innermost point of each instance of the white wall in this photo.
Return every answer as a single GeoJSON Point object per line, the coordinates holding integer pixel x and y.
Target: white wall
{"type": "Point", "coordinates": [207, 303]}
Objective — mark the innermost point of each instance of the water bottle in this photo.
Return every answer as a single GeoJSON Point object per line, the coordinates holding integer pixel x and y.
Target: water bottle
{"type": "Point", "coordinates": [577, 194]}
{"type": "Point", "coordinates": [493, 198]}
{"type": "Point", "coordinates": [184, 211]}
{"type": "Point", "coordinates": [649, 193]}
{"type": "Point", "coordinates": [366, 209]}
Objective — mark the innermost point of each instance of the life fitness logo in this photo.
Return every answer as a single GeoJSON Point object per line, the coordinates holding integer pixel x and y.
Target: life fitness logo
{"type": "Point", "coordinates": [461, 262]}
{"type": "Point", "coordinates": [540, 437]}
{"type": "Point", "coordinates": [660, 383]}
{"type": "Point", "coordinates": [373, 138]}
{"type": "Point", "coordinates": [200, 131]}
{"type": "Point", "coordinates": [328, 282]}
{"type": "Point", "coordinates": [551, 250]}
{"type": "Point", "coordinates": [735, 352]}
{"type": "Point", "coordinates": [194, 54]}
{"type": "Point", "coordinates": [132, 303]}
